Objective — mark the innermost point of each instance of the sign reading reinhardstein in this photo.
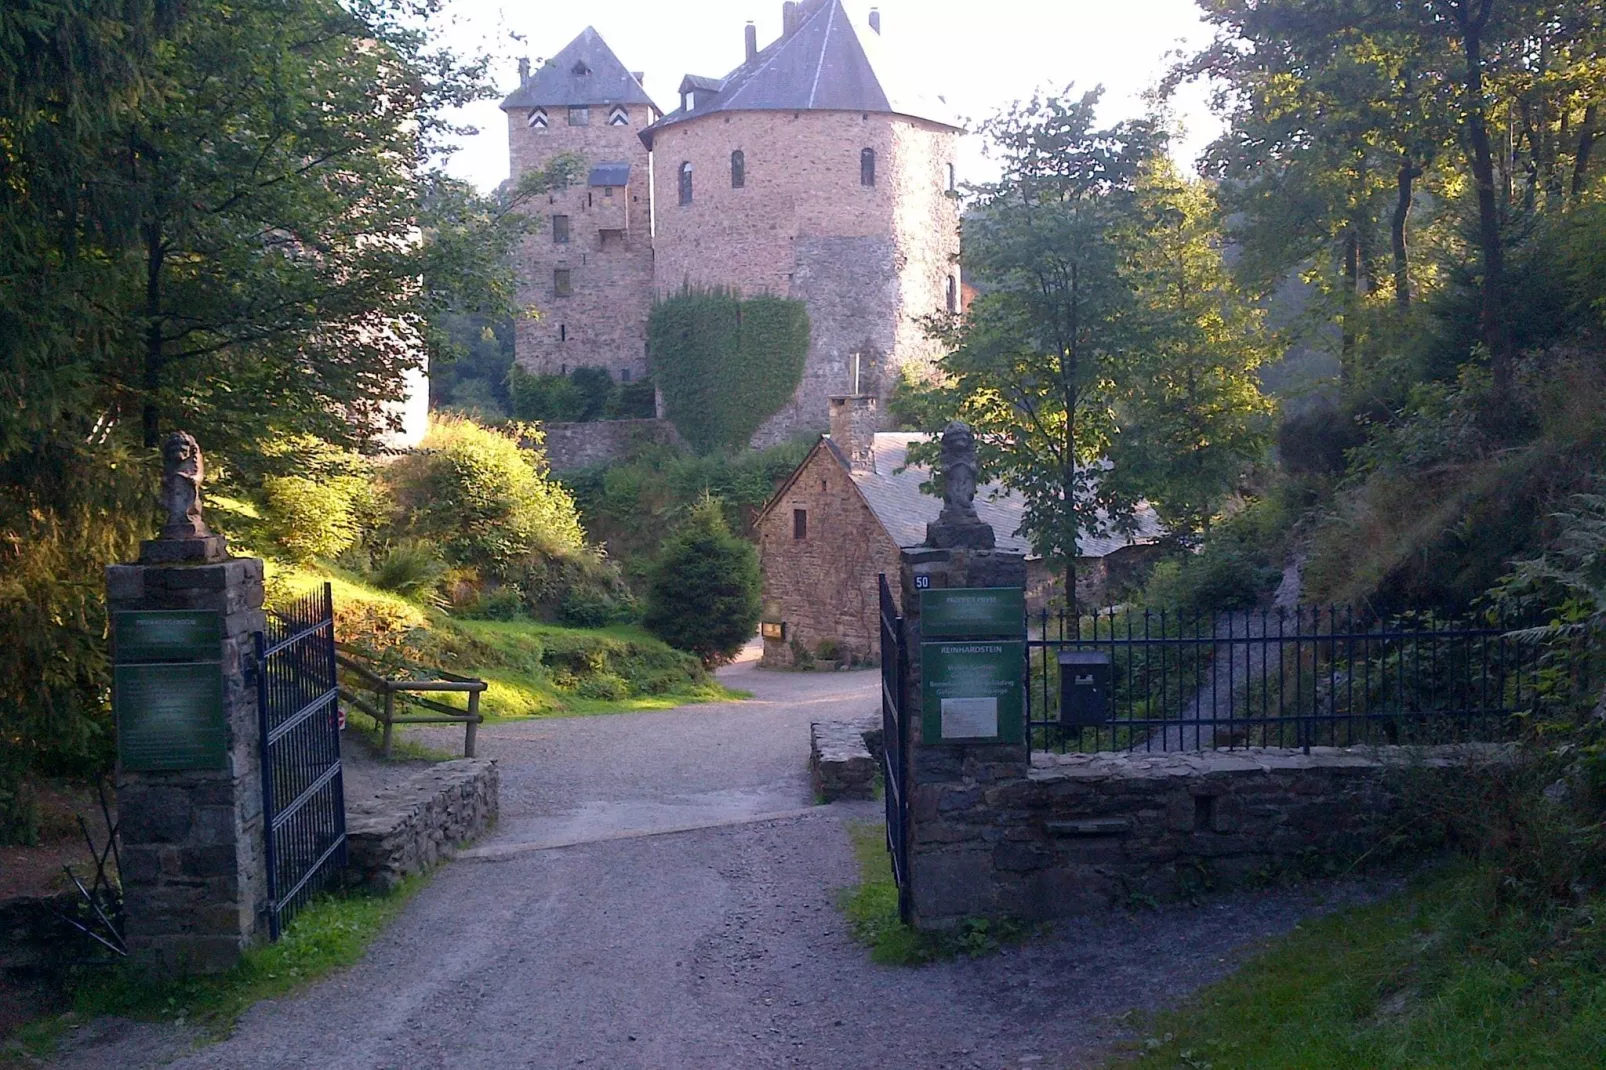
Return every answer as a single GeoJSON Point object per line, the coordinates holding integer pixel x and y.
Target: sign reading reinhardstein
{"type": "Point", "coordinates": [971, 691]}
{"type": "Point", "coordinates": [973, 613]}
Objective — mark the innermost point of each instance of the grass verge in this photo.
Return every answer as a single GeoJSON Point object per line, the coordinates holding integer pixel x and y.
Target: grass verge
{"type": "Point", "coordinates": [1435, 977]}
{"type": "Point", "coordinates": [871, 907]}
{"type": "Point", "coordinates": [331, 933]}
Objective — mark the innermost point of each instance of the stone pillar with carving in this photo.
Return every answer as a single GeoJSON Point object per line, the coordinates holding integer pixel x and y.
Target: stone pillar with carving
{"type": "Point", "coordinates": [951, 875]}
{"type": "Point", "coordinates": [189, 781]}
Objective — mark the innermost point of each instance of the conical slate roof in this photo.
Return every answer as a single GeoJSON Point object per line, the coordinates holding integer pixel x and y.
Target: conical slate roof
{"type": "Point", "coordinates": [585, 72]}
{"type": "Point", "coordinates": [827, 64]}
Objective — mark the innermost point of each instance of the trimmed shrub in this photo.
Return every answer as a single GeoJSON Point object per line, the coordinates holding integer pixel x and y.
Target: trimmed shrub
{"type": "Point", "coordinates": [726, 364]}
{"type": "Point", "coordinates": [705, 589]}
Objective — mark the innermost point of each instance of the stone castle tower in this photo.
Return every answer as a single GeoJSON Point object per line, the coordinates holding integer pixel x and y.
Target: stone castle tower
{"type": "Point", "coordinates": [810, 171]}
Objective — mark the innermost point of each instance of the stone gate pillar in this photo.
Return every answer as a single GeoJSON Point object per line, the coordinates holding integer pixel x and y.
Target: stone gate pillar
{"type": "Point", "coordinates": [950, 867]}
{"type": "Point", "coordinates": [189, 781]}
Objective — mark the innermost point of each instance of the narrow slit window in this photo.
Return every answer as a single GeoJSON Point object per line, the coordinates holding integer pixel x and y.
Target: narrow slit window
{"type": "Point", "coordinates": [867, 167]}
{"type": "Point", "coordinates": [738, 169]}
{"type": "Point", "coordinates": [953, 185]}
{"type": "Point", "coordinates": [800, 523]}
{"type": "Point", "coordinates": [624, 375]}
{"type": "Point", "coordinates": [560, 229]}
{"type": "Point", "coordinates": [953, 294]}
{"type": "Point", "coordinates": [685, 183]}
{"type": "Point", "coordinates": [563, 332]}
{"type": "Point", "coordinates": [562, 282]}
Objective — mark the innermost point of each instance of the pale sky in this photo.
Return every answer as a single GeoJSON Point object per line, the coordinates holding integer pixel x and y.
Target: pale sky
{"type": "Point", "coordinates": [979, 54]}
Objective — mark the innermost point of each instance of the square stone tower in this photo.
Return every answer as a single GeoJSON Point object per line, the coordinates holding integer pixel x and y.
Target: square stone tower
{"type": "Point", "coordinates": [587, 274]}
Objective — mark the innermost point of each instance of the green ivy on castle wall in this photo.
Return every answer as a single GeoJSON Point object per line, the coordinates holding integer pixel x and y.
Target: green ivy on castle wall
{"type": "Point", "coordinates": [726, 363]}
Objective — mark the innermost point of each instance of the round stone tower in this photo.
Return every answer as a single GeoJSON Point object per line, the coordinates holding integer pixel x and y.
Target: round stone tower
{"type": "Point", "coordinates": [811, 171]}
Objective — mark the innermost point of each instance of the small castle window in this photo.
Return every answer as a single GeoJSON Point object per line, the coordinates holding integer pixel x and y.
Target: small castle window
{"type": "Point", "coordinates": [563, 369]}
{"type": "Point", "coordinates": [607, 192]}
{"type": "Point", "coordinates": [579, 115]}
{"type": "Point", "coordinates": [800, 523]}
{"type": "Point", "coordinates": [867, 167]}
{"type": "Point", "coordinates": [624, 375]}
{"type": "Point", "coordinates": [538, 119]}
{"type": "Point", "coordinates": [560, 229]}
{"type": "Point", "coordinates": [562, 283]}
{"type": "Point", "coordinates": [685, 183]}
{"type": "Point", "coordinates": [563, 332]}
{"type": "Point", "coordinates": [619, 116]}
{"type": "Point", "coordinates": [738, 169]}
{"type": "Point", "coordinates": [580, 69]}
{"type": "Point", "coordinates": [953, 294]}
{"type": "Point", "coordinates": [952, 183]}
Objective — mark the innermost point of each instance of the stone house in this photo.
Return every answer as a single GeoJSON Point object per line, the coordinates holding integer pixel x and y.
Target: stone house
{"type": "Point", "coordinates": [842, 517]}
{"type": "Point", "coordinates": [809, 171]}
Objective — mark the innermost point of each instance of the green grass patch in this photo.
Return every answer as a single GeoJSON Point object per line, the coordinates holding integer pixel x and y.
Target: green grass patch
{"type": "Point", "coordinates": [1434, 977]}
{"type": "Point", "coordinates": [329, 934]}
{"type": "Point", "coordinates": [871, 908]}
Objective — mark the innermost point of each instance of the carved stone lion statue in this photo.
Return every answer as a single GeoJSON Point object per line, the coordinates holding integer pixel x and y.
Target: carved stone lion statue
{"type": "Point", "coordinates": [959, 471]}
{"type": "Point", "coordinates": [183, 471]}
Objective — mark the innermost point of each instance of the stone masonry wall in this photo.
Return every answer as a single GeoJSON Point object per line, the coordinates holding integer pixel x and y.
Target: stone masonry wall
{"type": "Point", "coordinates": [1082, 832]}
{"type": "Point", "coordinates": [868, 260]}
{"type": "Point", "coordinates": [603, 321]}
{"type": "Point", "coordinates": [824, 584]}
{"type": "Point", "coordinates": [570, 445]}
{"type": "Point", "coordinates": [411, 826]}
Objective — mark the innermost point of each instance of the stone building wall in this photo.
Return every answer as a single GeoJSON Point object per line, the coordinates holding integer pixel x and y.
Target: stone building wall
{"type": "Point", "coordinates": [867, 260]}
{"type": "Point", "coordinates": [581, 445]}
{"type": "Point", "coordinates": [1082, 832]}
{"type": "Point", "coordinates": [603, 321]}
{"type": "Point", "coordinates": [824, 584]}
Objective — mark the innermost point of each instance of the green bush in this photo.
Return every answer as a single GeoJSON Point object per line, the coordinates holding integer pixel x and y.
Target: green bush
{"type": "Point", "coordinates": [485, 500]}
{"type": "Point", "coordinates": [311, 518]}
{"type": "Point", "coordinates": [503, 603]}
{"type": "Point", "coordinates": [583, 589]}
{"type": "Point", "coordinates": [543, 397]}
{"type": "Point", "coordinates": [582, 395]}
{"type": "Point", "coordinates": [705, 588]}
{"type": "Point", "coordinates": [603, 685]}
{"type": "Point", "coordinates": [410, 568]}
{"type": "Point", "coordinates": [726, 364]}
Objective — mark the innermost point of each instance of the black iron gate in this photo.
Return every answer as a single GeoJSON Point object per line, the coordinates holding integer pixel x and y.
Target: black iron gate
{"type": "Point", "coordinates": [894, 767]}
{"type": "Point", "coordinates": [303, 797]}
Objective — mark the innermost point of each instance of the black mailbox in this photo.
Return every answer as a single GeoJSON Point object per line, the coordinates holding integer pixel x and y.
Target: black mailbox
{"type": "Point", "coordinates": [1084, 687]}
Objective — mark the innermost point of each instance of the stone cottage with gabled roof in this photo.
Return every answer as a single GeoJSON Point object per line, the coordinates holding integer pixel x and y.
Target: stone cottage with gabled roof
{"type": "Point", "coordinates": [842, 517]}
{"type": "Point", "coordinates": [812, 170]}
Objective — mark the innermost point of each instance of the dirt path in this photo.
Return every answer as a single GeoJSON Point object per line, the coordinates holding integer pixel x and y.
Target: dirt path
{"type": "Point", "coordinates": [717, 947]}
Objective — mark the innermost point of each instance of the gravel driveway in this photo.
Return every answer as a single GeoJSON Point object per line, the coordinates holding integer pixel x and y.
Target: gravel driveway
{"type": "Point", "coordinates": [587, 932]}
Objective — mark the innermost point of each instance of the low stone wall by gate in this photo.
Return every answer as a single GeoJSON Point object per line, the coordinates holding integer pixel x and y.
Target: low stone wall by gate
{"type": "Point", "coordinates": [408, 828]}
{"type": "Point", "coordinates": [1079, 833]}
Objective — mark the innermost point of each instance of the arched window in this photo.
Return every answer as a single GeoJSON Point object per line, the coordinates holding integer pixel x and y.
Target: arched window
{"type": "Point", "coordinates": [867, 167]}
{"type": "Point", "coordinates": [738, 169]}
{"type": "Point", "coordinates": [953, 294]}
{"type": "Point", "coordinates": [685, 183]}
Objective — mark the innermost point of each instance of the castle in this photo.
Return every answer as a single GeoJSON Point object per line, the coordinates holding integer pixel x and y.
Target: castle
{"type": "Point", "coordinates": [810, 171]}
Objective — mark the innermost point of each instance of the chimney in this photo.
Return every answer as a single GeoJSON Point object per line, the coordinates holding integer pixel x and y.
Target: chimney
{"type": "Point", "coordinates": [751, 34]}
{"type": "Point", "coordinates": [875, 20]}
{"type": "Point", "coordinates": [639, 76]}
{"type": "Point", "coordinates": [524, 70]}
{"type": "Point", "coordinates": [788, 18]}
{"type": "Point", "coordinates": [854, 418]}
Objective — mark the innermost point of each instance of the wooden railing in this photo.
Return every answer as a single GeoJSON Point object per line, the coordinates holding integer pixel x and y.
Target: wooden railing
{"type": "Point", "coordinates": [381, 706]}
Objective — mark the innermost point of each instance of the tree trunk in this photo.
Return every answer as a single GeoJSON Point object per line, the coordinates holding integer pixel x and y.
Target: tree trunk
{"type": "Point", "coordinates": [1586, 142]}
{"type": "Point", "coordinates": [152, 378]}
{"type": "Point", "coordinates": [1491, 324]}
{"type": "Point", "coordinates": [1404, 180]}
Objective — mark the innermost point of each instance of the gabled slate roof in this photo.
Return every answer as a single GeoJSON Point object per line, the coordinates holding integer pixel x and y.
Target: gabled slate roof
{"type": "Point", "coordinates": [609, 174]}
{"type": "Point", "coordinates": [585, 72]}
{"type": "Point", "coordinates": [828, 63]}
{"type": "Point", "coordinates": [904, 511]}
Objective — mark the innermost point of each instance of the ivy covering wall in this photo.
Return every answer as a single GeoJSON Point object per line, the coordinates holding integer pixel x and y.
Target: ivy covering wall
{"type": "Point", "coordinates": [726, 363]}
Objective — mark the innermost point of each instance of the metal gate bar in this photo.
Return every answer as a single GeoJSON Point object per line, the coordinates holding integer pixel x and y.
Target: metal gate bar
{"type": "Point", "coordinates": [894, 764]}
{"type": "Point", "coordinates": [303, 791]}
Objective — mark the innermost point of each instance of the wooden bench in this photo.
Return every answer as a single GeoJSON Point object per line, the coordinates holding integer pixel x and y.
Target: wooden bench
{"type": "Point", "coordinates": [382, 705]}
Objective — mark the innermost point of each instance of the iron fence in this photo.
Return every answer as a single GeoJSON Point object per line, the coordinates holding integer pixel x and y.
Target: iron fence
{"type": "Point", "coordinates": [894, 737]}
{"type": "Point", "coordinates": [1300, 677]}
{"type": "Point", "coordinates": [303, 796]}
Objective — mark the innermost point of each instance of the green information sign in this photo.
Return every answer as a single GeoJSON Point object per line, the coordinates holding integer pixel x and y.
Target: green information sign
{"type": "Point", "coordinates": [973, 613]}
{"type": "Point", "coordinates": [168, 635]}
{"type": "Point", "coordinates": [170, 716]}
{"type": "Point", "coordinates": [971, 691]}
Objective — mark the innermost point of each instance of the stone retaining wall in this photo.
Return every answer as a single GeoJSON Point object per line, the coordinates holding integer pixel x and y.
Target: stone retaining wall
{"type": "Point", "coordinates": [407, 828]}
{"type": "Point", "coordinates": [581, 445]}
{"type": "Point", "coordinates": [1083, 832]}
